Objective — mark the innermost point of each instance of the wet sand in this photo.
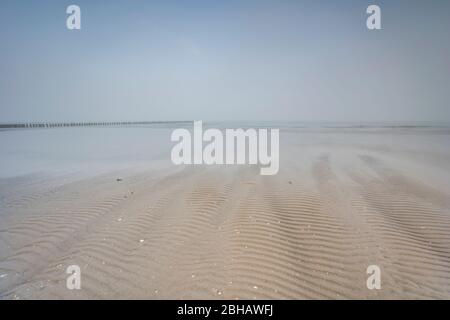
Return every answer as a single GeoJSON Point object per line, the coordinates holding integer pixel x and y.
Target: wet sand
{"type": "Point", "coordinates": [343, 199]}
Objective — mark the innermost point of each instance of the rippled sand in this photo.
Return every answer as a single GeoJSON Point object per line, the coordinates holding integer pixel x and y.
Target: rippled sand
{"type": "Point", "coordinates": [344, 199]}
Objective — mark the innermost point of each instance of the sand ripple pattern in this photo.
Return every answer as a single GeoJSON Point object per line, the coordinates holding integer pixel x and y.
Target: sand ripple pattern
{"type": "Point", "coordinates": [229, 233]}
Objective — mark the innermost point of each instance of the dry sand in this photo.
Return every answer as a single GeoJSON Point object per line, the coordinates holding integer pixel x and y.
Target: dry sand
{"type": "Point", "coordinates": [344, 199]}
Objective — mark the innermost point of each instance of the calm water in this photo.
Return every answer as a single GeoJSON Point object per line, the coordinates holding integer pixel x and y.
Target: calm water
{"type": "Point", "coordinates": [97, 149]}
{"type": "Point", "coordinates": [61, 150]}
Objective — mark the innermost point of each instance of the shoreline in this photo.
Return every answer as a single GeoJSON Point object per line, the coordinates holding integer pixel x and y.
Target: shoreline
{"type": "Point", "coordinates": [339, 204]}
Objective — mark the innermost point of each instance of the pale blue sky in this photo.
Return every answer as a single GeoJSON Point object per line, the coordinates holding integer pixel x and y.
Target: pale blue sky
{"type": "Point", "coordinates": [224, 60]}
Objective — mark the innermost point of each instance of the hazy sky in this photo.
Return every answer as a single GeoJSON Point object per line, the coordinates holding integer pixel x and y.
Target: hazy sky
{"type": "Point", "coordinates": [224, 60]}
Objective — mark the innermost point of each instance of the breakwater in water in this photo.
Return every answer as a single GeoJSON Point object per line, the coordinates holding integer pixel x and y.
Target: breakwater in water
{"type": "Point", "coordinates": [85, 124]}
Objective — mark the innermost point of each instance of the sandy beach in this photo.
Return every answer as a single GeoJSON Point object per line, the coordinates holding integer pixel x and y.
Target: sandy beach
{"type": "Point", "coordinates": [343, 199]}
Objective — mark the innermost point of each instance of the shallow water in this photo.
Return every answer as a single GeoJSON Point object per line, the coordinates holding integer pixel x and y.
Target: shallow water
{"type": "Point", "coordinates": [95, 149]}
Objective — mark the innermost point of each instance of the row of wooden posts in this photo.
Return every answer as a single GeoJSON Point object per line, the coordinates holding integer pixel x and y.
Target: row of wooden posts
{"type": "Point", "coordinates": [75, 124]}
